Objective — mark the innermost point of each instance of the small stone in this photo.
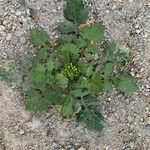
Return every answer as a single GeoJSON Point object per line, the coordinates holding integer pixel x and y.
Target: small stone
{"type": "Point", "coordinates": [12, 11]}
{"type": "Point", "coordinates": [96, 57]}
{"type": "Point", "coordinates": [114, 7]}
{"type": "Point", "coordinates": [9, 36]}
{"type": "Point", "coordinates": [131, 1]}
{"type": "Point", "coordinates": [2, 28]}
{"type": "Point", "coordinates": [107, 11]}
{"type": "Point", "coordinates": [55, 145]}
{"type": "Point", "coordinates": [117, 1]}
{"type": "Point", "coordinates": [132, 74]}
{"type": "Point", "coordinates": [22, 132]}
{"type": "Point", "coordinates": [18, 13]}
{"type": "Point", "coordinates": [22, 40]}
{"type": "Point", "coordinates": [111, 117]}
{"type": "Point", "coordinates": [34, 14]}
{"type": "Point", "coordinates": [137, 26]}
{"type": "Point", "coordinates": [81, 148]}
{"type": "Point", "coordinates": [22, 2]}
{"type": "Point", "coordinates": [132, 145]}
{"type": "Point", "coordinates": [5, 22]}
{"type": "Point", "coordinates": [138, 31]}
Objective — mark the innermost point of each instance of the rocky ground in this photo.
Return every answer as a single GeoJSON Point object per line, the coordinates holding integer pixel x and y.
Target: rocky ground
{"type": "Point", "coordinates": [128, 117]}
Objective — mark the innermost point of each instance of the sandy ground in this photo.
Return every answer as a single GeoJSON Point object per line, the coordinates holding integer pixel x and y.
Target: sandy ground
{"type": "Point", "coordinates": [128, 118]}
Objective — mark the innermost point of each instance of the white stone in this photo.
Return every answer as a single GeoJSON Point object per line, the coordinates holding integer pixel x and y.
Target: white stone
{"type": "Point", "coordinates": [5, 22]}
{"type": "Point", "coordinates": [18, 13]}
{"type": "Point", "coordinates": [22, 132]}
{"type": "Point", "coordinates": [12, 11]}
{"type": "Point", "coordinates": [22, 40]}
{"type": "Point", "coordinates": [81, 148]}
{"type": "Point", "coordinates": [131, 1]}
{"type": "Point", "coordinates": [137, 26]}
{"type": "Point", "coordinates": [2, 28]}
{"type": "Point", "coordinates": [114, 7]}
{"type": "Point", "coordinates": [9, 36]}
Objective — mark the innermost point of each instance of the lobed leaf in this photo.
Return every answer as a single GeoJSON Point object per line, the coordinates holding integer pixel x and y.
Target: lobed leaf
{"type": "Point", "coordinates": [127, 84]}
{"type": "Point", "coordinates": [38, 37]}
{"type": "Point", "coordinates": [62, 79]}
{"type": "Point", "coordinates": [69, 50]}
{"type": "Point", "coordinates": [93, 120]}
{"type": "Point", "coordinates": [95, 84]}
{"type": "Point", "coordinates": [117, 53]}
{"type": "Point", "coordinates": [37, 74]}
{"type": "Point", "coordinates": [67, 107]}
{"type": "Point", "coordinates": [67, 28]}
{"type": "Point", "coordinates": [95, 32]}
{"type": "Point", "coordinates": [75, 11]}
{"type": "Point", "coordinates": [108, 69]}
{"type": "Point", "coordinates": [35, 102]}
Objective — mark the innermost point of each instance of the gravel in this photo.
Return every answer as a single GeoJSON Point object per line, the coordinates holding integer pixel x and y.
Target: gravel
{"type": "Point", "coordinates": [128, 117]}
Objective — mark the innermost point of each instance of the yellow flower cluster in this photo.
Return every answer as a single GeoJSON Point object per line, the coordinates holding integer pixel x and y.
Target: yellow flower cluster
{"type": "Point", "coordinates": [70, 70]}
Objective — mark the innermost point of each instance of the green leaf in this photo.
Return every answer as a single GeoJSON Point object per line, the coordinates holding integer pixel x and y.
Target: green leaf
{"type": "Point", "coordinates": [37, 74]}
{"type": "Point", "coordinates": [63, 80]}
{"type": "Point", "coordinates": [93, 120]}
{"type": "Point", "coordinates": [108, 86]}
{"type": "Point", "coordinates": [50, 79]}
{"type": "Point", "coordinates": [67, 38]}
{"type": "Point", "coordinates": [117, 53]}
{"type": "Point", "coordinates": [80, 42]}
{"type": "Point", "coordinates": [88, 56]}
{"type": "Point", "coordinates": [43, 53]}
{"type": "Point", "coordinates": [95, 32]}
{"type": "Point", "coordinates": [69, 49]}
{"type": "Point", "coordinates": [89, 101]}
{"type": "Point", "coordinates": [82, 82]}
{"type": "Point", "coordinates": [38, 37]}
{"type": "Point", "coordinates": [3, 74]}
{"type": "Point", "coordinates": [50, 64]}
{"type": "Point", "coordinates": [108, 69]}
{"type": "Point", "coordinates": [95, 84]}
{"type": "Point", "coordinates": [94, 48]}
{"type": "Point", "coordinates": [127, 84]}
{"type": "Point", "coordinates": [89, 71]}
{"type": "Point", "coordinates": [11, 75]}
{"type": "Point", "coordinates": [79, 92]}
{"type": "Point", "coordinates": [55, 96]}
{"type": "Point", "coordinates": [67, 27]}
{"type": "Point", "coordinates": [67, 107]}
{"type": "Point", "coordinates": [75, 11]}
{"type": "Point", "coordinates": [35, 102]}
{"type": "Point", "coordinates": [26, 63]}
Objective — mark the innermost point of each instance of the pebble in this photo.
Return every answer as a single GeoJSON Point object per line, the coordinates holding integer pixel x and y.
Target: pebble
{"type": "Point", "coordinates": [22, 40]}
{"type": "Point", "coordinates": [9, 36]}
{"type": "Point", "coordinates": [18, 13]}
{"type": "Point", "coordinates": [55, 145]}
{"type": "Point", "coordinates": [114, 7]}
{"type": "Point", "coordinates": [81, 148]}
{"type": "Point", "coordinates": [12, 11]}
{"type": "Point", "coordinates": [2, 28]}
{"type": "Point", "coordinates": [96, 56]}
{"type": "Point", "coordinates": [22, 132]}
{"type": "Point", "coordinates": [131, 1]}
{"type": "Point", "coordinates": [132, 145]}
{"type": "Point", "coordinates": [34, 14]}
{"type": "Point", "coordinates": [117, 1]}
{"type": "Point", "coordinates": [138, 31]}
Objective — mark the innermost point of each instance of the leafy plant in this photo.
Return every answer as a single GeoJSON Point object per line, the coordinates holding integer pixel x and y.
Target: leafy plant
{"type": "Point", "coordinates": [66, 76]}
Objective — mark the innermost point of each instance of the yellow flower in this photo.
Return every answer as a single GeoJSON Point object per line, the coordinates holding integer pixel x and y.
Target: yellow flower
{"type": "Point", "coordinates": [70, 70]}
